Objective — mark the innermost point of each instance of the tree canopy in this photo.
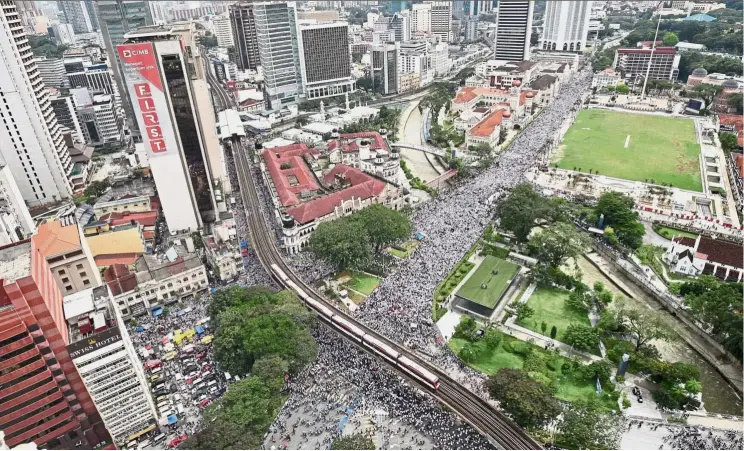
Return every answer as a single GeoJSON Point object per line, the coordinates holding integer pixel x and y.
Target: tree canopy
{"type": "Point", "coordinates": [528, 402]}
{"type": "Point", "coordinates": [586, 426]}
{"type": "Point", "coordinates": [354, 441]}
{"type": "Point", "coordinates": [644, 325]}
{"type": "Point", "coordinates": [670, 39]}
{"type": "Point", "coordinates": [582, 337]}
{"type": "Point", "coordinates": [520, 211]}
{"type": "Point", "coordinates": [383, 225]}
{"type": "Point", "coordinates": [557, 243]}
{"type": "Point", "coordinates": [617, 210]}
{"type": "Point", "coordinates": [259, 325]}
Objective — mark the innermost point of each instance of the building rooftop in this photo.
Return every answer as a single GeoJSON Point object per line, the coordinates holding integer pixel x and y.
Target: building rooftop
{"type": "Point", "coordinates": [144, 218]}
{"type": "Point", "coordinates": [487, 126]}
{"type": "Point", "coordinates": [359, 185]}
{"type": "Point", "coordinates": [656, 51]}
{"type": "Point", "coordinates": [467, 94]}
{"type": "Point", "coordinates": [121, 241]}
{"type": "Point", "coordinates": [119, 279]}
{"type": "Point", "coordinates": [79, 303]}
{"type": "Point", "coordinates": [701, 18]}
{"type": "Point", "coordinates": [543, 82]}
{"type": "Point", "coordinates": [169, 269]}
{"type": "Point", "coordinates": [52, 238]}
{"type": "Point", "coordinates": [15, 261]}
{"type": "Point", "coordinates": [717, 251]}
{"type": "Point", "coordinates": [289, 172]}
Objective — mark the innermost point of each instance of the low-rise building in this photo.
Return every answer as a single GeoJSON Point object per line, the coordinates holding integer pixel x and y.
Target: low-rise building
{"type": "Point", "coordinates": [547, 87]}
{"type": "Point", "coordinates": [147, 220]}
{"type": "Point", "coordinates": [80, 154]}
{"type": "Point", "coordinates": [367, 151]}
{"type": "Point", "coordinates": [225, 258]}
{"type": "Point", "coordinates": [632, 63]}
{"type": "Point", "coordinates": [703, 255]}
{"type": "Point", "coordinates": [128, 203]}
{"type": "Point", "coordinates": [488, 130]}
{"type": "Point", "coordinates": [66, 252]}
{"type": "Point", "coordinates": [103, 354]}
{"type": "Point", "coordinates": [409, 82]}
{"type": "Point", "coordinates": [122, 245]}
{"type": "Point", "coordinates": [502, 75]}
{"type": "Point", "coordinates": [140, 291]}
{"type": "Point", "coordinates": [605, 78]}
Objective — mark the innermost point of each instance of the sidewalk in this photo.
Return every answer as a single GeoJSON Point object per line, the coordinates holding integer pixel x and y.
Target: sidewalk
{"type": "Point", "coordinates": [565, 350]}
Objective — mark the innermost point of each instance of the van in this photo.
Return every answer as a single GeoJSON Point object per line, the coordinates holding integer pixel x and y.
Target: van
{"type": "Point", "coordinates": [227, 375]}
{"type": "Point", "coordinates": [211, 383]}
{"type": "Point", "coordinates": [180, 409]}
{"type": "Point", "coordinates": [156, 370]}
{"type": "Point", "coordinates": [237, 378]}
{"type": "Point", "coordinates": [158, 438]}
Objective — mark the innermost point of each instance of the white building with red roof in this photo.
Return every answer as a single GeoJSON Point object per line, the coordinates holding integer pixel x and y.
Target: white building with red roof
{"type": "Point", "coordinates": [703, 255]}
{"type": "Point", "coordinates": [488, 130]}
{"type": "Point", "coordinates": [306, 195]}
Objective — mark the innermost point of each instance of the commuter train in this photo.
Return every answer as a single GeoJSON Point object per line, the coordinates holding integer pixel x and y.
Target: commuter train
{"type": "Point", "coordinates": [355, 333]}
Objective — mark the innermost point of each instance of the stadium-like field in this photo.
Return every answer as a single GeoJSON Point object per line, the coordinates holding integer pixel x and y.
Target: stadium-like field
{"type": "Point", "coordinates": [496, 284]}
{"type": "Point", "coordinates": [638, 147]}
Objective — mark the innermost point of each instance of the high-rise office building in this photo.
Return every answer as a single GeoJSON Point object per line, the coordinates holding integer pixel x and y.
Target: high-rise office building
{"type": "Point", "coordinates": [276, 31]}
{"type": "Point", "coordinates": [400, 24]}
{"type": "Point", "coordinates": [16, 223]}
{"type": "Point", "coordinates": [565, 25]}
{"type": "Point", "coordinates": [82, 74]}
{"type": "Point", "coordinates": [223, 31]}
{"type": "Point", "coordinates": [385, 67]}
{"type": "Point", "coordinates": [117, 18]}
{"type": "Point", "coordinates": [65, 109]}
{"type": "Point", "coordinates": [476, 7]}
{"type": "Point", "coordinates": [52, 71]}
{"type": "Point", "coordinates": [28, 10]}
{"type": "Point", "coordinates": [441, 19]}
{"type": "Point", "coordinates": [421, 17]}
{"type": "Point", "coordinates": [660, 63]}
{"type": "Point", "coordinates": [158, 76]}
{"type": "Point", "coordinates": [470, 24]}
{"type": "Point", "coordinates": [77, 14]}
{"type": "Point", "coordinates": [325, 60]}
{"type": "Point", "coordinates": [43, 400]}
{"type": "Point", "coordinates": [513, 30]}
{"type": "Point", "coordinates": [243, 23]}
{"type": "Point", "coordinates": [31, 142]}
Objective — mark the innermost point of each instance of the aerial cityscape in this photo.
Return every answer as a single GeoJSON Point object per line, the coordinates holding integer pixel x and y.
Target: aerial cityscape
{"type": "Point", "coordinates": [368, 224]}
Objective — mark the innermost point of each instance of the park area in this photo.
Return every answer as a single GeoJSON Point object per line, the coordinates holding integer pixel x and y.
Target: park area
{"type": "Point", "coordinates": [495, 274]}
{"type": "Point", "coordinates": [404, 250]}
{"type": "Point", "coordinates": [670, 232]}
{"type": "Point", "coordinates": [545, 365]}
{"type": "Point", "coordinates": [639, 147]}
{"type": "Point", "coordinates": [358, 282]}
{"type": "Point", "coordinates": [549, 305]}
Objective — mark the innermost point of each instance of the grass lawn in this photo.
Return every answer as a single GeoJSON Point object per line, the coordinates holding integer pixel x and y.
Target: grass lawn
{"type": "Point", "coordinates": [669, 232]}
{"type": "Point", "coordinates": [355, 297]}
{"type": "Point", "coordinates": [409, 247]}
{"type": "Point", "coordinates": [496, 283]}
{"type": "Point", "coordinates": [361, 282]}
{"type": "Point", "coordinates": [660, 148]}
{"type": "Point", "coordinates": [569, 388]}
{"type": "Point", "coordinates": [549, 306]}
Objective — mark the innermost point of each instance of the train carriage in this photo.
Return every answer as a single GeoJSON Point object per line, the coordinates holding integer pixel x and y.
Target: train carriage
{"type": "Point", "coordinates": [348, 328]}
{"type": "Point", "coordinates": [418, 372]}
{"type": "Point", "coordinates": [381, 348]}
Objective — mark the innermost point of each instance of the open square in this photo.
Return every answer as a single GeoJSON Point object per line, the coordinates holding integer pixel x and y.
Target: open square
{"type": "Point", "coordinates": [495, 273]}
{"type": "Point", "coordinates": [639, 147]}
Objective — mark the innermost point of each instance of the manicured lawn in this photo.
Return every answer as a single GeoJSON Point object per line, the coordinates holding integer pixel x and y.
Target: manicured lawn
{"type": "Point", "coordinates": [496, 284]}
{"type": "Point", "coordinates": [661, 148]}
{"type": "Point", "coordinates": [569, 388]}
{"type": "Point", "coordinates": [363, 283]}
{"type": "Point", "coordinates": [409, 247]}
{"type": "Point", "coordinates": [669, 232]}
{"type": "Point", "coordinates": [549, 305]}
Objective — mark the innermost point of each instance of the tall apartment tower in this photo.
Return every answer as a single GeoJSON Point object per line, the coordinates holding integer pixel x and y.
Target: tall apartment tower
{"type": "Point", "coordinates": [325, 60]}
{"type": "Point", "coordinates": [159, 80]}
{"type": "Point", "coordinates": [276, 32]}
{"type": "Point", "coordinates": [441, 19]}
{"type": "Point", "coordinates": [385, 67]}
{"type": "Point", "coordinates": [566, 25]}
{"type": "Point", "coordinates": [77, 14]}
{"type": "Point", "coordinates": [476, 7]}
{"type": "Point", "coordinates": [43, 398]}
{"type": "Point", "coordinates": [117, 18]}
{"type": "Point", "coordinates": [421, 17]}
{"type": "Point", "coordinates": [223, 31]}
{"type": "Point", "coordinates": [31, 143]}
{"type": "Point", "coordinates": [243, 22]}
{"type": "Point", "coordinates": [513, 30]}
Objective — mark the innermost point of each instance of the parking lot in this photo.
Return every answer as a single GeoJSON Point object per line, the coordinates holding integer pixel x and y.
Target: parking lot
{"type": "Point", "coordinates": [175, 348]}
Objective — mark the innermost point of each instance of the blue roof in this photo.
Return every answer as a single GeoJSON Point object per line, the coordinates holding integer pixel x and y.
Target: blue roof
{"type": "Point", "coordinates": [701, 18]}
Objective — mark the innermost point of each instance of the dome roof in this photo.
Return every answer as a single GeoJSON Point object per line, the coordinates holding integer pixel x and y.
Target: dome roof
{"type": "Point", "coordinates": [730, 84]}
{"type": "Point", "coordinates": [530, 95]}
{"type": "Point", "coordinates": [506, 114]}
{"type": "Point", "coordinates": [700, 72]}
{"type": "Point", "coordinates": [516, 83]}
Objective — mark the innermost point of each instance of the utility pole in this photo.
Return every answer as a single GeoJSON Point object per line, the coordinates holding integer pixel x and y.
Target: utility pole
{"type": "Point", "coordinates": [650, 59]}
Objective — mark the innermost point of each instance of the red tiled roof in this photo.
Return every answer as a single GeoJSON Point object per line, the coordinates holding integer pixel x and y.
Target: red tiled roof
{"type": "Point", "coordinates": [119, 278]}
{"type": "Point", "coordinates": [148, 234]}
{"type": "Point", "coordinates": [465, 95]}
{"type": "Point", "coordinates": [111, 259]}
{"type": "Point", "coordinates": [145, 218]}
{"type": "Point", "coordinates": [718, 251]}
{"type": "Point", "coordinates": [487, 126]}
{"type": "Point", "coordinates": [522, 98]}
{"type": "Point", "coordinates": [291, 155]}
{"type": "Point", "coordinates": [736, 121]}
{"type": "Point", "coordinates": [658, 50]}
{"type": "Point", "coordinates": [155, 202]}
{"type": "Point", "coordinates": [376, 140]}
{"type": "Point", "coordinates": [362, 187]}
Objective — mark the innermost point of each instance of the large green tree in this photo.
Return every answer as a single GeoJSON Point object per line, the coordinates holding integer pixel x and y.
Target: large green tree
{"type": "Point", "coordinates": [643, 324]}
{"type": "Point", "coordinates": [670, 39]}
{"type": "Point", "coordinates": [557, 243]}
{"type": "Point", "coordinates": [719, 306]}
{"type": "Point", "coordinates": [384, 226]}
{"type": "Point", "coordinates": [241, 417]}
{"type": "Point", "coordinates": [520, 211]}
{"type": "Point", "coordinates": [586, 425]}
{"type": "Point", "coordinates": [262, 327]}
{"type": "Point", "coordinates": [729, 141]}
{"type": "Point", "coordinates": [354, 441]}
{"type": "Point", "coordinates": [617, 211]}
{"type": "Point", "coordinates": [582, 337]}
{"type": "Point", "coordinates": [343, 243]}
{"type": "Point", "coordinates": [528, 402]}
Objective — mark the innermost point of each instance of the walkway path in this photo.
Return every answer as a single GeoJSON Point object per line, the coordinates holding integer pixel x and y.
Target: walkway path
{"type": "Point", "coordinates": [541, 340]}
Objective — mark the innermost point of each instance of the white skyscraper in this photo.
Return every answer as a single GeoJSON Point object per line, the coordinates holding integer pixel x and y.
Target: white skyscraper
{"type": "Point", "coordinates": [566, 25]}
{"type": "Point", "coordinates": [421, 17]}
{"type": "Point", "coordinates": [513, 30]}
{"type": "Point", "coordinates": [223, 31]}
{"type": "Point", "coordinates": [31, 144]}
{"type": "Point", "coordinates": [441, 19]}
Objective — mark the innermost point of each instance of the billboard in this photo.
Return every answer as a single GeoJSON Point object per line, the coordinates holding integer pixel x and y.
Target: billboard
{"type": "Point", "coordinates": [93, 342]}
{"type": "Point", "coordinates": [142, 76]}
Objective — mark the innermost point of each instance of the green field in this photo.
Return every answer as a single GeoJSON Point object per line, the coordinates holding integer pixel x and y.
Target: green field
{"type": "Point", "coordinates": [669, 232]}
{"type": "Point", "coordinates": [363, 283]}
{"type": "Point", "coordinates": [549, 305]}
{"type": "Point", "coordinates": [496, 283]}
{"type": "Point", "coordinates": [662, 149]}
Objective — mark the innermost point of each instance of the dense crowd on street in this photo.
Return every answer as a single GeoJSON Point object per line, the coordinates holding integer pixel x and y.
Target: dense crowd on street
{"type": "Point", "coordinates": [340, 365]}
{"type": "Point", "coordinates": [691, 437]}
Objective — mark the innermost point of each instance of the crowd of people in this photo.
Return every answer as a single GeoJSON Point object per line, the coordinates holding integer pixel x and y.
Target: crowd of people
{"type": "Point", "coordinates": [689, 437]}
{"type": "Point", "coordinates": [316, 393]}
